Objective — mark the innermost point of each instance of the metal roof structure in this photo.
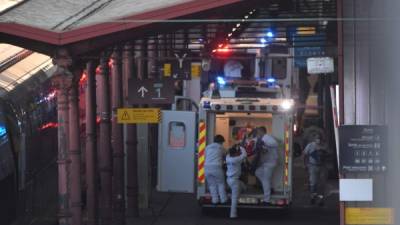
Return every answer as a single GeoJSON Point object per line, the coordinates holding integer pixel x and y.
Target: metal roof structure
{"type": "Point", "coordinates": [18, 64]}
{"type": "Point", "coordinates": [87, 25]}
{"type": "Point", "coordinates": [79, 22]}
{"type": "Point", "coordinates": [68, 15]}
{"type": "Point", "coordinates": [26, 20]}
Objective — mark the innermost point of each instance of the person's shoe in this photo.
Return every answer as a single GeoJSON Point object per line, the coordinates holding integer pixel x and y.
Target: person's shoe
{"type": "Point", "coordinates": [313, 198]}
{"type": "Point", "coordinates": [225, 202]}
{"type": "Point", "coordinates": [320, 200]}
{"type": "Point", "coordinates": [266, 203]}
{"type": "Point", "coordinates": [233, 216]}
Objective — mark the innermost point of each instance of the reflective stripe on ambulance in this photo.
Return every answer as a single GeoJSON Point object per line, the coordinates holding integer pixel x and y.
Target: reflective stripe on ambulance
{"type": "Point", "coordinates": [201, 152]}
{"type": "Point", "coordinates": [286, 180]}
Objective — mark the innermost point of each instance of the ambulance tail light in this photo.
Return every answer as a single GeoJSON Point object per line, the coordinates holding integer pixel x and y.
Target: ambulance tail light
{"type": "Point", "coordinates": [206, 200]}
{"type": "Point", "coordinates": [281, 202]}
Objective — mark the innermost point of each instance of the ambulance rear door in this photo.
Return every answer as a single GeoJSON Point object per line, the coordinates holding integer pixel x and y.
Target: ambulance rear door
{"type": "Point", "coordinates": [176, 152]}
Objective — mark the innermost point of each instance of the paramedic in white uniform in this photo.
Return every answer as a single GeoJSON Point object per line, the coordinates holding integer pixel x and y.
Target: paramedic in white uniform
{"type": "Point", "coordinates": [234, 161]}
{"type": "Point", "coordinates": [267, 162]}
{"type": "Point", "coordinates": [215, 178]}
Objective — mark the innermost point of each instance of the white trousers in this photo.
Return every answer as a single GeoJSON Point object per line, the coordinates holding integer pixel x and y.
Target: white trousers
{"type": "Point", "coordinates": [234, 184]}
{"type": "Point", "coordinates": [216, 183]}
{"type": "Point", "coordinates": [264, 174]}
{"type": "Point", "coordinates": [317, 176]}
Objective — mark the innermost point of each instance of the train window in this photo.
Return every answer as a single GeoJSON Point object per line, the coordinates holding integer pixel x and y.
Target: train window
{"type": "Point", "coordinates": [176, 135]}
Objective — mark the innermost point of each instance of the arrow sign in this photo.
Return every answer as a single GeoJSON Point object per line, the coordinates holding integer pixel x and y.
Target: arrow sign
{"type": "Point", "coordinates": [151, 91]}
{"type": "Point", "coordinates": [142, 90]}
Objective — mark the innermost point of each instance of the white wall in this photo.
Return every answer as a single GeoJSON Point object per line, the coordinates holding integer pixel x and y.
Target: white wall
{"type": "Point", "coordinates": [372, 78]}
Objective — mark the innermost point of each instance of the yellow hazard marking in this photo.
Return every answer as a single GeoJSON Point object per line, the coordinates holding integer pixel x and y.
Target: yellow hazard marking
{"type": "Point", "coordinates": [196, 70]}
{"type": "Point", "coordinates": [369, 216]}
{"type": "Point", "coordinates": [125, 115]}
{"type": "Point", "coordinates": [202, 133]}
{"type": "Point", "coordinates": [167, 70]}
{"type": "Point", "coordinates": [306, 31]}
{"type": "Point", "coordinates": [201, 149]}
{"type": "Point", "coordinates": [201, 159]}
{"type": "Point", "coordinates": [138, 115]}
{"type": "Point", "coordinates": [201, 173]}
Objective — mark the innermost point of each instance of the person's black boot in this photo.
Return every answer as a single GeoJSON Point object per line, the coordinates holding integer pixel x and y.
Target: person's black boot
{"type": "Point", "coordinates": [313, 198]}
{"type": "Point", "coordinates": [320, 200]}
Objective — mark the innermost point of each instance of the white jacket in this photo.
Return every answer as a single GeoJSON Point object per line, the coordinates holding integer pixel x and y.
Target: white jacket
{"type": "Point", "coordinates": [214, 155]}
{"type": "Point", "coordinates": [271, 155]}
{"type": "Point", "coordinates": [234, 164]}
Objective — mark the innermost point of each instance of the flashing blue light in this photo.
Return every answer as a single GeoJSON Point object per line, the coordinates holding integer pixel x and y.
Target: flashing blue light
{"type": "Point", "coordinates": [3, 130]}
{"type": "Point", "coordinates": [270, 34]}
{"type": "Point", "coordinates": [271, 80]}
{"type": "Point", "coordinates": [221, 81]}
{"type": "Point", "coordinates": [207, 105]}
{"type": "Point", "coordinates": [263, 40]}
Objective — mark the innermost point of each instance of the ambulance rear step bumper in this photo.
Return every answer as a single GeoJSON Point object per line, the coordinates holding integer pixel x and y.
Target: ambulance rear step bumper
{"type": "Point", "coordinates": [245, 206]}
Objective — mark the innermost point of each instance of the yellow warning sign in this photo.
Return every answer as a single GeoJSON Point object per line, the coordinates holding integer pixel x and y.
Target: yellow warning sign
{"type": "Point", "coordinates": [125, 116]}
{"type": "Point", "coordinates": [138, 115]}
{"type": "Point", "coordinates": [369, 216]}
{"type": "Point", "coordinates": [167, 70]}
{"type": "Point", "coordinates": [196, 70]}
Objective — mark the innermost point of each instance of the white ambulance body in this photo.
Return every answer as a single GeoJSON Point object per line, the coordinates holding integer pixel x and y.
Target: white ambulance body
{"type": "Point", "coordinates": [183, 136]}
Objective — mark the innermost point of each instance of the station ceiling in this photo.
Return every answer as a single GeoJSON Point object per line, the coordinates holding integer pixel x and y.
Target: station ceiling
{"type": "Point", "coordinates": [198, 24]}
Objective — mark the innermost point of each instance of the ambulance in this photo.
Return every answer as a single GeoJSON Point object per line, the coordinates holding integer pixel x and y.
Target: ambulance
{"type": "Point", "coordinates": [231, 110]}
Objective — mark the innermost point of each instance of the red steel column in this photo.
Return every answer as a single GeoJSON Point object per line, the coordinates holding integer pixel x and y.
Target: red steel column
{"type": "Point", "coordinates": [61, 82]}
{"type": "Point", "coordinates": [91, 148]}
{"type": "Point", "coordinates": [105, 142]}
{"type": "Point", "coordinates": [75, 154]}
{"type": "Point", "coordinates": [117, 141]}
{"type": "Point", "coordinates": [132, 186]}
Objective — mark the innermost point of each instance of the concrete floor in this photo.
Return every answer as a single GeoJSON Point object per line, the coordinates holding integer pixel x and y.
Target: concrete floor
{"type": "Point", "coordinates": [176, 209]}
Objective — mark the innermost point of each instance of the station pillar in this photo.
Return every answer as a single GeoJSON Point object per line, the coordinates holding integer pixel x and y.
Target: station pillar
{"type": "Point", "coordinates": [74, 152]}
{"type": "Point", "coordinates": [91, 147]}
{"type": "Point", "coordinates": [61, 81]}
{"type": "Point", "coordinates": [117, 140]}
{"type": "Point", "coordinates": [132, 187]}
{"type": "Point", "coordinates": [105, 160]}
